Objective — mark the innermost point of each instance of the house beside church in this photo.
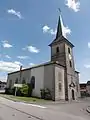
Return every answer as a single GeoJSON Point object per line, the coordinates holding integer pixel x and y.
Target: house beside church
{"type": "Point", "coordinates": [58, 75]}
{"type": "Point", "coordinates": [85, 89]}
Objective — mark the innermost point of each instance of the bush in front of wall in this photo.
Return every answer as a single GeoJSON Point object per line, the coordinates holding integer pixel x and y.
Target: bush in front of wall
{"type": "Point", "coordinates": [10, 91]}
{"type": "Point", "coordinates": [24, 90]}
{"type": "Point", "coordinates": [46, 94]}
{"type": "Point", "coordinates": [29, 90]}
{"type": "Point", "coordinates": [42, 93]}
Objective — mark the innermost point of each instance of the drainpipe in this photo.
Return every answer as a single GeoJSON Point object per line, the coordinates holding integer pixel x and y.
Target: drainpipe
{"type": "Point", "coordinates": [20, 72]}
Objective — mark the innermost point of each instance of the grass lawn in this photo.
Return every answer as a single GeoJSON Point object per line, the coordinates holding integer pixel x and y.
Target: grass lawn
{"type": "Point", "coordinates": [24, 99]}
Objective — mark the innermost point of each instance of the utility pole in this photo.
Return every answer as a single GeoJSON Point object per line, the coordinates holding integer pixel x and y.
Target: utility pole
{"type": "Point", "coordinates": [20, 72]}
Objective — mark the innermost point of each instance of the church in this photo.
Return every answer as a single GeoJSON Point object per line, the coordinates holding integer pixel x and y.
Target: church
{"type": "Point", "coordinates": [58, 75]}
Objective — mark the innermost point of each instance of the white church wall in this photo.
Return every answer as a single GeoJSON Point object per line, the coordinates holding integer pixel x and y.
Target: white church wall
{"type": "Point", "coordinates": [38, 73]}
{"type": "Point", "coordinates": [25, 75]}
{"type": "Point", "coordinates": [59, 78]}
{"type": "Point", "coordinates": [49, 79]}
{"type": "Point", "coordinates": [12, 77]}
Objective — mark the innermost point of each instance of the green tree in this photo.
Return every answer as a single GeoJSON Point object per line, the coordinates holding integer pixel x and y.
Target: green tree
{"type": "Point", "coordinates": [24, 90]}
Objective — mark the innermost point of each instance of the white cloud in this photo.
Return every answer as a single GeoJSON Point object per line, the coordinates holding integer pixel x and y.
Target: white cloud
{"type": "Point", "coordinates": [5, 44]}
{"type": "Point", "coordinates": [23, 57]}
{"type": "Point", "coordinates": [46, 28]}
{"type": "Point", "coordinates": [87, 65]}
{"type": "Point", "coordinates": [65, 30]}
{"type": "Point", "coordinates": [31, 64]}
{"type": "Point", "coordinates": [7, 56]}
{"type": "Point", "coordinates": [16, 13]}
{"type": "Point", "coordinates": [73, 4]}
{"type": "Point", "coordinates": [31, 49]}
{"type": "Point", "coordinates": [9, 66]}
{"type": "Point", "coordinates": [88, 44]}
{"type": "Point", "coordinates": [18, 63]}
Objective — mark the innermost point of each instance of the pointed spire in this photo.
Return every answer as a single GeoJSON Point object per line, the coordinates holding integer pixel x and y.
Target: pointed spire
{"type": "Point", "coordinates": [60, 34]}
{"type": "Point", "coordinates": [59, 28]}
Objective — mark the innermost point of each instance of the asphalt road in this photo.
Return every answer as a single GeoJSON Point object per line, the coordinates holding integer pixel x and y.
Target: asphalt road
{"type": "Point", "coordinates": [10, 110]}
{"type": "Point", "coordinates": [7, 113]}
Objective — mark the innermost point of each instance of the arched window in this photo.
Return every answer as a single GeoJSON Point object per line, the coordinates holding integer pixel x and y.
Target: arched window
{"type": "Point", "coordinates": [69, 50]}
{"type": "Point", "coordinates": [10, 83]}
{"type": "Point", "coordinates": [33, 82]}
{"type": "Point", "coordinates": [23, 81]}
{"type": "Point", "coordinates": [57, 49]}
{"type": "Point", "coordinates": [60, 87]}
{"type": "Point", "coordinates": [16, 81]}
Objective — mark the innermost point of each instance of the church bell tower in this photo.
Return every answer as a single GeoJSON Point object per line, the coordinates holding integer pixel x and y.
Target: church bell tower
{"type": "Point", "coordinates": [62, 51]}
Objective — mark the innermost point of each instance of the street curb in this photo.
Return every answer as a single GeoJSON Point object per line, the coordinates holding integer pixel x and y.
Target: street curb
{"type": "Point", "coordinates": [15, 100]}
{"type": "Point", "coordinates": [88, 109]}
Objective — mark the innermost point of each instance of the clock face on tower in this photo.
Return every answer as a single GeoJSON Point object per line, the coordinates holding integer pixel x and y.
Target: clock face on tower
{"type": "Point", "coordinates": [70, 57]}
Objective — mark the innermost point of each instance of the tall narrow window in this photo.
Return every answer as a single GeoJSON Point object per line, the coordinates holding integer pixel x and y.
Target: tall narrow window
{"type": "Point", "coordinates": [69, 50]}
{"type": "Point", "coordinates": [16, 81]}
{"type": "Point", "coordinates": [33, 82]}
{"type": "Point", "coordinates": [10, 83]}
{"type": "Point", "coordinates": [59, 76]}
{"type": "Point", "coordinates": [23, 81]}
{"type": "Point", "coordinates": [57, 50]}
{"type": "Point", "coordinates": [70, 63]}
{"type": "Point", "coordinates": [60, 87]}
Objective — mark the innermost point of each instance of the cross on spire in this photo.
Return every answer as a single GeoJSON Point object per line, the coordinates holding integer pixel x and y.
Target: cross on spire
{"type": "Point", "coordinates": [59, 10]}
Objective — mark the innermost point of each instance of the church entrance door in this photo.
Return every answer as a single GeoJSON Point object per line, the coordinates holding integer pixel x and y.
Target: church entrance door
{"type": "Point", "coordinates": [73, 96]}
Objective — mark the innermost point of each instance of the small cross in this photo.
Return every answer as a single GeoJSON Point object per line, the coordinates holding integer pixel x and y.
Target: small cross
{"type": "Point", "coordinates": [59, 10]}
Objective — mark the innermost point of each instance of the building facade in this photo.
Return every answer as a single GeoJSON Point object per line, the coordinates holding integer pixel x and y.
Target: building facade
{"type": "Point", "coordinates": [85, 89]}
{"type": "Point", "coordinates": [88, 88]}
{"type": "Point", "coordinates": [58, 75]}
{"type": "Point", "coordinates": [2, 85]}
{"type": "Point", "coordinates": [49, 75]}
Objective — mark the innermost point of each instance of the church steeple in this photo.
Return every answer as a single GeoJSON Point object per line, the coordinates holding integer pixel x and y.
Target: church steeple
{"type": "Point", "coordinates": [59, 28]}
{"type": "Point", "coordinates": [60, 35]}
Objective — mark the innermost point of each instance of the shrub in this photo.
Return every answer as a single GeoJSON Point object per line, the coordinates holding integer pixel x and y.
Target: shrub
{"type": "Point", "coordinates": [18, 93]}
{"type": "Point", "coordinates": [6, 90]}
{"type": "Point", "coordinates": [42, 93]}
{"type": "Point", "coordinates": [24, 90]}
{"type": "Point", "coordinates": [10, 91]}
{"type": "Point", "coordinates": [46, 94]}
{"type": "Point", "coordinates": [29, 90]}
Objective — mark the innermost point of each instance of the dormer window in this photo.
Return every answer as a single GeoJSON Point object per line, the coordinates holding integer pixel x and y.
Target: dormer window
{"type": "Point", "coordinates": [57, 50]}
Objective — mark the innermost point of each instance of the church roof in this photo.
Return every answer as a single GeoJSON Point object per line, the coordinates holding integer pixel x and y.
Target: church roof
{"type": "Point", "coordinates": [77, 71]}
{"type": "Point", "coordinates": [60, 40]}
{"type": "Point", "coordinates": [44, 64]}
{"type": "Point", "coordinates": [59, 35]}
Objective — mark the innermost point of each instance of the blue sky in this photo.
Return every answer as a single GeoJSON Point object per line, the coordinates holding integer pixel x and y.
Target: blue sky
{"type": "Point", "coordinates": [28, 26]}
